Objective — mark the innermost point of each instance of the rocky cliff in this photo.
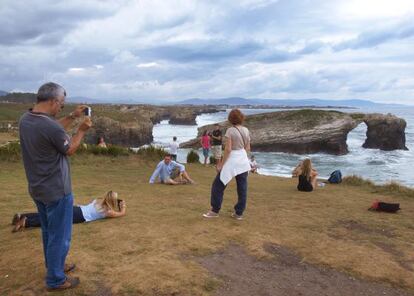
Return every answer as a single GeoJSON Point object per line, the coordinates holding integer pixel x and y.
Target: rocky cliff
{"type": "Point", "coordinates": [385, 132]}
{"type": "Point", "coordinates": [131, 125]}
{"type": "Point", "coordinates": [130, 134]}
{"type": "Point", "coordinates": [311, 131]}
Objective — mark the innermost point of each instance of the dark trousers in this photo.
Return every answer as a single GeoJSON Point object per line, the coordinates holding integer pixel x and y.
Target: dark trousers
{"type": "Point", "coordinates": [56, 222]}
{"type": "Point", "coordinates": [33, 219]}
{"type": "Point", "coordinates": [174, 157]}
{"type": "Point", "coordinates": [217, 192]}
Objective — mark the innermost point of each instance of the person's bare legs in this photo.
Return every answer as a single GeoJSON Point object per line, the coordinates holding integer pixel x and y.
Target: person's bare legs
{"type": "Point", "coordinates": [172, 182]}
{"type": "Point", "coordinates": [187, 177]}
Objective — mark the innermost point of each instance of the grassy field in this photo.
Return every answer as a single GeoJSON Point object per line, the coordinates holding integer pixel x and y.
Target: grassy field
{"type": "Point", "coordinates": [150, 251]}
{"type": "Point", "coordinates": [6, 137]}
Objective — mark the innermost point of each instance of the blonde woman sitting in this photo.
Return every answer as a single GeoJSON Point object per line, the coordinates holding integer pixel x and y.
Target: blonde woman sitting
{"type": "Point", "coordinates": [307, 175]}
{"type": "Point", "coordinates": [107, 207]}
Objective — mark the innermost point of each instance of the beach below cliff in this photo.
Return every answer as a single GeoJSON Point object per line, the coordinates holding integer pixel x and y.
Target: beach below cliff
{"type": "Point", "coordinates": [290, 242]}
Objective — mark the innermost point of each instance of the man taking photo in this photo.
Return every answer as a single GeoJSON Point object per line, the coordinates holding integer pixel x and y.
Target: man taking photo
{"type": "Point", "coordinates": [45, 150]}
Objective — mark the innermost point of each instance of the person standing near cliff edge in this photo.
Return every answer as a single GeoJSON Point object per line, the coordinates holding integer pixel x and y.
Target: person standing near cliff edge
{"type": "Point", "coordinates": [45, 147]}
{"type": "Point", "coordinates": [235, 164]}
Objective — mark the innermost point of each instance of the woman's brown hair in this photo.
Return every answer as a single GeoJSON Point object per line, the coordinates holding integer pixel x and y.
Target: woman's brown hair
{"type": "Point", "coordinates": [236, 117]}
{"type": "Point", "coordinates": [109, 202]}
{"type": "Point", "coordinates": [307, 168]}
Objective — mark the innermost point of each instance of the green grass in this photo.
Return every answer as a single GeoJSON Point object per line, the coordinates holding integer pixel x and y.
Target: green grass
{"type": "Point", "coordinates": [193, 157]}
{"type": "Point", "coordinates": [391, 188]}
{"type": "Point", "coordinates": [10, 152]}
{"type": "Point", "coordinates": [149, 251]}
{"type": "Point", "coordinates": [304, 117]}
{"type": "Point", "coordinates": [152, 152]}
{"type": "Point", "coordinates": [12, 112]}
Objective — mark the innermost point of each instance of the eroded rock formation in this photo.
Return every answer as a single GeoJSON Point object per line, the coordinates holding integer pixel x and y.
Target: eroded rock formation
{"type": "Point", "coordinates": [312, 131]}
{"type": "Point", "coordinates": [131, 125]}
{"type": "Point", "coordinates": [385, 132]}
{"type": "Point", "coordinates": [131, 134]}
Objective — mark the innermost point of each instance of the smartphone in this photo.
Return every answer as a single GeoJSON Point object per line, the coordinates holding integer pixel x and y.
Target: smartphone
{"type": "Point", "coordinates": [119, 204]}
{"type": "Point", "coordinates": [87, 111]}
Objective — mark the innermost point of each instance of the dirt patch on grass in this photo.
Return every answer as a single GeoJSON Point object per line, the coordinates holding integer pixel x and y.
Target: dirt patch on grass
{"type": "Point", "coordinates": [356, 226]}
{"type": "Point", "coordinates": [102, 289]}
{"type": "Point", "coordinates": [287, 274]}
{"type": "Point", "coordinates": [398, 256]}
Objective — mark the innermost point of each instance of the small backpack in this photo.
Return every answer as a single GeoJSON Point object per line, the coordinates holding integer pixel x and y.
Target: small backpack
{"type": "Point", "coordinates": [336, 177]}
{"type": "Point", "coordinates": [388, 207]}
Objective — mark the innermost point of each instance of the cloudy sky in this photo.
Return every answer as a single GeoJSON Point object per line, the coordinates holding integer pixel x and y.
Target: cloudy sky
{"type": "Point", "coordinates": [173, 50]}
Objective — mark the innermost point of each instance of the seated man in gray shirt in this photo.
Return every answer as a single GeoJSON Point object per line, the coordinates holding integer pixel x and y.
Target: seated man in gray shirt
{"type": "Point", "coordinates": [170, 172]}
{"type": "Point", "coordinates": [45, 148]}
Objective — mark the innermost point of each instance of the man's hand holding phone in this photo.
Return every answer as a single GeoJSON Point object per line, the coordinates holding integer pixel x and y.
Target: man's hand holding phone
{"type": "Point", "coordinates": [86, 124]}
{"type": "Point", "coordinates": [79, 111]}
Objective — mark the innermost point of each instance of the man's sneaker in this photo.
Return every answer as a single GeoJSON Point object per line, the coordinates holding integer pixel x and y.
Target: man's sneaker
{"type": "Point", "coordinates": [69, 283]}
{"type": "Point", "coordinates": [210, 214]}
{"type": "Point", "coordinates": [237, 217]}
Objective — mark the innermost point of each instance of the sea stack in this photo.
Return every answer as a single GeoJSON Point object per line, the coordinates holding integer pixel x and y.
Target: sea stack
{"type": "Point", "coordinates": [385, 132]}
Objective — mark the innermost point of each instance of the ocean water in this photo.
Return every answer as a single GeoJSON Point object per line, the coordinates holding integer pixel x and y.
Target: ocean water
{"type": "Point", "coordinates": [379, 166]}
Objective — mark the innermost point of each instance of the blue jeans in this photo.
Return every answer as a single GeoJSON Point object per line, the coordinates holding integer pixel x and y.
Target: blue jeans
{"type": "Point", "coordinates": [217, 192]}
{"type": "Point", "coordinates": [56, 222]}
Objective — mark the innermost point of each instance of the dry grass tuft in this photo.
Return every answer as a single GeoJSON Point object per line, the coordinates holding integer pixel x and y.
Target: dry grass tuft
{"type": "Point", "coordinates": [391, 188]}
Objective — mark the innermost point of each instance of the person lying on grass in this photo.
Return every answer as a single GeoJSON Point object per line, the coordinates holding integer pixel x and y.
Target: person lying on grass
{"type": "Point", "coordinates": [107, 207]}
{"type": "Point", "coordinates": [170, 172]}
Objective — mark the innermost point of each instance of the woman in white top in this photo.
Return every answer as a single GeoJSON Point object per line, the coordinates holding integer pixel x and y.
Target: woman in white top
{"type": "Point", "coordinates": [235, 164]}
{"type": "Point", "coordinates": [107, 207]}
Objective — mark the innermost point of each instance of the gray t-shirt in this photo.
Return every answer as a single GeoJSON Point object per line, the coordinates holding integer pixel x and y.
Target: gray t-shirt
{"type": "Point", "coordinates": [44, 144]}
{"type": "Point", "coordinates": [238, 139]}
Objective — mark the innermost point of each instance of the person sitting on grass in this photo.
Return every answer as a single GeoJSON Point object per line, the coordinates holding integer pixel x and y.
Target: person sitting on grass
{"type": "Point", "coordinates": [307, 175]}
{"type": "Point", "coordinates": [107, 207]}
{"type": "Point", "coordinates": [101, 143]}
{"type": "Point", "coordinates": [170, 172]}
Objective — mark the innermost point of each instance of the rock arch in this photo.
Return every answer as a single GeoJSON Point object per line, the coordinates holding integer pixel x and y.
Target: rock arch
{"type": "Point", "coordinates": [312, 131]}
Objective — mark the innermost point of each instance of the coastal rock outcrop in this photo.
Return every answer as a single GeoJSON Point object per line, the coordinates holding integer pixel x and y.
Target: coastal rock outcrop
{"type": "Point", "coordinates": [131, 125]}
{"type": "Point", "coordinates": [131, 134]}
{"type": "Point", "coordinates": [183, 117]}
{"type": "Point", "coordinates": [311, 131]}
{"type": "Point", "coordinates": [385, 132]}
{"type": "Point", "coordinates": [188, 115]}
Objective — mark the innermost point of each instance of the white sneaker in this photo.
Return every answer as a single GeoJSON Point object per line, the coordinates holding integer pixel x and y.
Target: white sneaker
{"type": "Point", "coordinates": [210, 214]}
{"type": "Point", "coordinates": [237, 217]}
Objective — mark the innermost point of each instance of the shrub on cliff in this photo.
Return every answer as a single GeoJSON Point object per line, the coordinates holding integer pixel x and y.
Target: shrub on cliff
{"type": "Point", "coordinates": [193, 157]}
{"type": "Point", "coordinates": [152, 152]}
{"type": "Point", "coordinates": [112, 150]}
{"type": "Point", "coordinates": [10, 151]}
{"type": "Point", "coordinates": [392, 188]}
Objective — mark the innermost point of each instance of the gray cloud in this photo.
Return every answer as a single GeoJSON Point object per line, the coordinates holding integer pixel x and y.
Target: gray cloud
{"type": "Point", "coordinates": [376, 37]}
{"type": "Point", "coordinates": [172, 50]}
{"type": "Point", "coordinates": [45, 22]}
{"type": "Point", "coordinates": [202, 51]}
